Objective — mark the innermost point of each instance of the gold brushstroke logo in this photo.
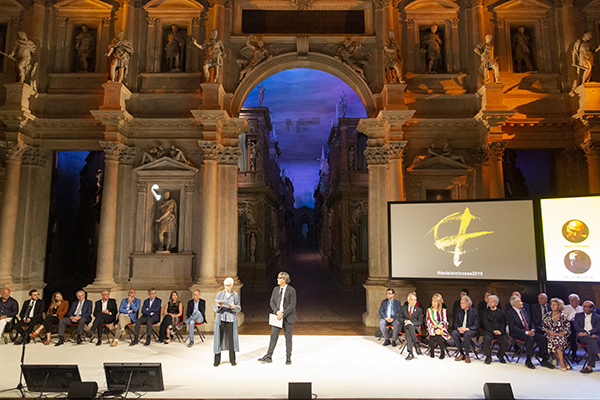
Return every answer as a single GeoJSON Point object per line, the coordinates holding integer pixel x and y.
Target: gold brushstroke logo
{"type": "Point", "coordinates": [454, 244]}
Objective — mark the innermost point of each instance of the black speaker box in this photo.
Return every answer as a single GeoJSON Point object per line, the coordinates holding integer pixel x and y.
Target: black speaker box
{"type": "Point", "coordinates": [83, 390]}
{"type": "Point", "coordinates": [299, 391]}
{"type": "Point", "coordinates": [498, 391]}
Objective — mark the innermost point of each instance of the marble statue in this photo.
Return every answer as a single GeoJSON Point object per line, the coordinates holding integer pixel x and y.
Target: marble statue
{"type": "Point", "coordinates": [393, 60]}
{"type": "Point", "coordinates": [354, 55]}
{"type": "Point", "coordinates": [253, 149]}
{"type": "Point", "coordinates": [447, 152]}
{"type": "Point", "coordinates": [176, 154]}
{"type": "Point", "coordinates": [432, 44]}
{"type": "Point", "coordinates": [353, 246]}
{"type": "Point", "coordinates": [159, 152]}
{"type": "Point", "coordinates": [174, 49]}
{"type": "Point", "coordinates": [23, 54]}
{"type": "Point", "coordinates": [253, 247]}
{"type": "Point", "coordinates": [521, 50]}
{"type": "Point", "coordinates": [121, 51]}
{"type": "Point", "coordinates": [583, 58]}
{"type": "Point", "coordinates": [343, 104]}
{"type": "Point", "coordinates": [216, 53]}
{"type": "Point", "coordinates": [85, 45]}
{"type": "Point", "coordinates": [488, 62]}
{"type": "Point", "coordinates": [261, 94]}
{"type": "Point", "coordinates": [255, 52]}
{"type": "Point", "coordinates": [166, 223]}
{"type": "Point", "coordinates": [351, 154]}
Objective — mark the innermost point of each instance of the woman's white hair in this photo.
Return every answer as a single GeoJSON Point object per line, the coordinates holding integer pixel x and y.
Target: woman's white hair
{"type": "Point", "coordinates": [228, 280]}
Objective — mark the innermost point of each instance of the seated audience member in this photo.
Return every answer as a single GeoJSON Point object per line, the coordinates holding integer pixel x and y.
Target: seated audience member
{"type": "Point", "coordinates": [196, 308]}
{"type": "Point", "coordinates": [525, 305]}
{"type": "Point", "coordinates": [538, 311]}
{"type": "Point", "coordinates": [587, 328]}
{"type": "Point", "coordinates": [389, 310]}
{"type": "Point", "coordinates": [9, 307]}
{"type": "Point", "coordinates": [173, 316]}
{"type": "Point", "coordinates": [483, 305]}
{"type": "Point", "coordinates": [105, 312]}
{"type": "Point", "coordinates": [411, 318]}
{"type": "Point", "coordinates": [570, 310]}
{"type": "Point", "coordinates": [466, 326]}
{"type": "Point", "coordinates": [456, 305]}
{"type": "Point", "coordinates": [519, 326]}
{"type": "Point", "coordinates": [31, 314]}
{"type": "Point", "coordinates": [128, 313]}
{"type": "Point", "coordinates": [557, 328]}
{"type": "Point", "coordinates": [437, 326]}
{"type": "Point", "coordinates": [57, 310]}
{"type": "Point", "coordinates": [150, 315]}
{"type": "Point", "coordinates": [494, 325]}
{"type": "Point", "coordinates": [80, 313]}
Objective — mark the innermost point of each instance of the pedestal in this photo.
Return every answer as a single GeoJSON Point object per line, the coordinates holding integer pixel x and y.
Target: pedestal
{"type": "Point", "coordinates": [163, 271]}
{"type": "Point", "coordinates": [393, 96]}
{"type": "Point", "coordinates": [17, 96]}
{"type": "Point", "coordinates": [589, 96]}
{"type": "Point", "coordinates": [492, 96]}
{"type": "Point", "coordinates": [115, 95]}
{"type": "Point", "coordinates": [212, 96]}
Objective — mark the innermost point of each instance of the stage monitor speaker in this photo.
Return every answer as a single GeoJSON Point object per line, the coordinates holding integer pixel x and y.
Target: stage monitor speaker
{"type": "Point", "coordinates": [498, 391]}
{"type": "Point", "coordinates": [83, 390]}
{"type": "Point", "coordinates": [299, 391]}
{"type": "Point", "coordinates": [134, 377]}
{"type": "Point", "coordinates": [50, 377]}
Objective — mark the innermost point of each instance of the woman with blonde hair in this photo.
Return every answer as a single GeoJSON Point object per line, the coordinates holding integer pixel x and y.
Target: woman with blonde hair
{"type": "Point", "coordinates": [57, 310]}
{"type": "Point", "coordinates": [557, 328]}
{"type": "Point", "coordinates": [173, 315]}
{"type": "Point", "coordinates": [437, 326]}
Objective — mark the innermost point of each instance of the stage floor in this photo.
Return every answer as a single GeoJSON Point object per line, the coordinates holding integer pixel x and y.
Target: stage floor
{"type": "Point", "coordinates": [337, 366]}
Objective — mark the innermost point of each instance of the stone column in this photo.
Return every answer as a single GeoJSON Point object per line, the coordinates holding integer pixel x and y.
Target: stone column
{"type": "Point", "coordinates": [396, 182]}
{"type": "Point", "coordinates": [592, 155]}
{"type": "Point", "coordinates": [476, 35]}
{"type": "Point", "coordinates": [108, 219]}
{"type": "Point", "coordinates": [9, 210]}
{"type": "Point", "coordinates": [208, 238]}
{"type": "Point", "coordinates": [496, 151]}
{"type": "Point", "coordinates": [125, 215]}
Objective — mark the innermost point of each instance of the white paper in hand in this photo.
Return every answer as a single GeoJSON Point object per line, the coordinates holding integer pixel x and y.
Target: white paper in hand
{"type": "Point", "coordinates": [273, 321]}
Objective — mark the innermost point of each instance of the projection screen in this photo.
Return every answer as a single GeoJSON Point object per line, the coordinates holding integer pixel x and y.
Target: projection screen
{"type": "Point", "coordinates": [463, 240]}
{"type": "Point", "coordinates": [571, 246]}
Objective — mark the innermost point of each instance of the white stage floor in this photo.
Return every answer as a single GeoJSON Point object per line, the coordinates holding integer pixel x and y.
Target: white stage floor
{"type": "Point", "coordinates": [337, 366]}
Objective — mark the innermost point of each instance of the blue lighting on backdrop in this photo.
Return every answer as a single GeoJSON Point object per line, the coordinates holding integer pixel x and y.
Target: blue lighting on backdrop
{"type": "Point", "coordinates": [303, 105]}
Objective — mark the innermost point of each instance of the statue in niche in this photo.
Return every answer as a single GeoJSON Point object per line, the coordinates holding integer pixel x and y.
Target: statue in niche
{"type": "Point", "coordinates": [166, 223]}
{"type": "Point", "coordinates": [521, 50]}
{"type": "Point", "coordinates": [121, 51]}
{"type": "Point", "coordinates": [583, 58]}
{"type": "Point", "coordinates": [24, 55]}
{"type": "Point", "coordinates": [255, 52]}
{"type": "Point", "coordinates": [253, 150]}
{"type": "Point", "coordinates": [353, 246]}
{"type": "Point", "coordinates": [393, 60]}
{"type": "Point", "coordinates": [261, 94]}
{"type": "Point", "coordinates": [353, 54]}
{"type": "Point", "coordinates": [351, 154]}
{"type": "Point", "coordinates": [432, 44]}
{"type": "Point", "coordinates": [253, 247]}
{"type": "Point", "coordinates": [488, 62]}
{"type": "Point", "coordinates": [174, 49]}
{"type": "Point", "coordinates": [343, 104]}
{"type": "Point", "coordinates": [85, 45]}
{"type": "Point", "coordinates": [216, 53]}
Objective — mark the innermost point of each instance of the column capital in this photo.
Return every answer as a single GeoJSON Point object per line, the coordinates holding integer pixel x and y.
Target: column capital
{"type": "Point", "coordinates": [229, 155]}
{"type": "Point", "coordinates": [210, 149]}
{"type": "Point", "coordinates": [396, 149]}
{"type": "Point", "coordinates": [127, 155]}
{"type": "Point", "coordinates": [377, 155]}
{"type": "Point", "coordinates": [35, 156]}
{"type": "Point", "coordinates": [495, 149]}
{"type": "Point", "coordinates": [591, 148]}
{"type": "Point", "coordinates": [112, 150]}
{"type": "Point", "coordinates": [14, 149]}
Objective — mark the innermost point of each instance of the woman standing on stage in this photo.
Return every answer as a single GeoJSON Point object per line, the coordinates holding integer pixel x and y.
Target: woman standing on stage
{"type": "Point", "coordinates": [227, 305]}
{"type": "Point", "coordinates": [437, 326]}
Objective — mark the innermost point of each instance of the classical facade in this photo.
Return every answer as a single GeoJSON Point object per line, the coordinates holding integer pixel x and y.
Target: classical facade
{"type": "Point", "coordinates": [170, 120]}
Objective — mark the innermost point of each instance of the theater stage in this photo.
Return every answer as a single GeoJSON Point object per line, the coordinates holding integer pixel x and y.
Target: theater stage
{"type": "Point", "coordinates": [337, 366]}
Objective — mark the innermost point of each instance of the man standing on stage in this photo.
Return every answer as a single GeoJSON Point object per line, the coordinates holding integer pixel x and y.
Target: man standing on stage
{"type": "Point", "coordinates": [283, 304]}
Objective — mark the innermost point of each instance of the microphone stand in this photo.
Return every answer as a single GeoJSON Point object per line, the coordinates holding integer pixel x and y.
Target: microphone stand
{"type": "Point", "coordinates": [20, 385]}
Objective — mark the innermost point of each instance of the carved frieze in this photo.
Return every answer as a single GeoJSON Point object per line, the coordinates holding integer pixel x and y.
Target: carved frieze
{"type": "Point", "coordinates": [302, 4]}
{"type": "Point", "coordinates": [128, 155]}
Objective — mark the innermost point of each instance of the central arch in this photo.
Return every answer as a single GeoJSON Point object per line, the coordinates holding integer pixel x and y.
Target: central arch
{"type": "Point", "coordinates": [315, 61]}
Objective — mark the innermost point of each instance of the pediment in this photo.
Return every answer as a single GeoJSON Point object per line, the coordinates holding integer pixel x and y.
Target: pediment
{"type": "Point", "coordinates": [592, 8]}
{"type": "Point", "coordinates": [166, 164]}
{"type": "Point", "coordinates": [431, 5]}
{"type": "Point", "coordinates": [173, 5]}
{"type": "Point", "coordinates": [521, 6]}
{"type": "Point", "coordinates": [10, 7]}
{"type": "Point", "coordinates": [438, 163]}
{"type": "Point", "coordinates": [82, 6]}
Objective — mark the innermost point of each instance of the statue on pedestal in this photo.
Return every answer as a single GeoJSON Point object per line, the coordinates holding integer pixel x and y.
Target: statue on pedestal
{"type": "Point", "coordinates": [432, 44]}
{"type": "Point", "coordinates": [393, 60]}
{"type": "Point", "coordinates": [121, 51]}
{"type": "Point", "coordinates": [261, 94]}
{"type": "Point", "coordinates": [488, 62]}
{"type": "Point", "coordinates": [521, 50]}
{"type": "Point", "coordinates": [216, 53]}
{"type": "Point", "coordinates": [23, 54]}
{"type": "Point", "coordinates": [84, 44]}
{"type": "Point", "coordinates": [583, 58]}
{"type": "Point", "coordinates": [343, 104]}
{"type": "Point", "coordinates": [174, 49]}
{"type": "Point", "coordinates": [166, 223]}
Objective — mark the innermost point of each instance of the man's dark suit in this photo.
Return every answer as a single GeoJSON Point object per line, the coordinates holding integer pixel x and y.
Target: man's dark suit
{"type": "Point", "coordinates": [150, 315]}
{"type": "Point", "coordinates": [289, 317]}
{"type": "Point", "coordinates": [592, 344]}
{"type": "Point", "coordinates": [494, 320]}
{"type": "Point", "coordinates": [38, 309]}
{"type": "Point", "coordinates": [201, 307]}
{"type": "Point", "coordinates": [416, 317]}
{"type": "Point", "coordinates": [526, 308]}
{"type": "Point", "coordinates": [100, 318]}
{"type": "Point", "coordinates": [481, 307]}
{"type": "Point", "coordinates": [395, 312]}
{"type": "Point", "coordinates": [472, 324]}
{"type": "Point", "coordinates": [537, 315]}
{"type": "Point", "coordinates": [86, 317]}
{"type": "Point", "coordinates": [517, 331]}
